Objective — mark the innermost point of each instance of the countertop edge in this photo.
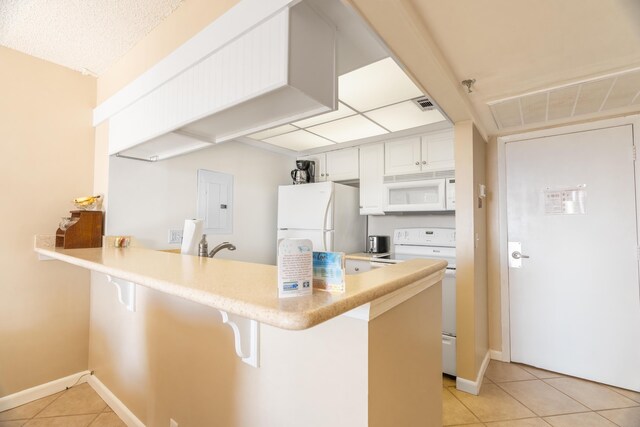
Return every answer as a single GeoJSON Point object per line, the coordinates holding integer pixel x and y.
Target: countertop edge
{"type": "Point", "coordinates": [278, 318]}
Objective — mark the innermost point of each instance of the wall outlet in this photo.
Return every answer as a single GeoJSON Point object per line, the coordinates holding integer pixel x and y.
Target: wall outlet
{"type": "Point", "coordinates": [175, 236]}
{"type": "Point", "coordinates": [172, 422]}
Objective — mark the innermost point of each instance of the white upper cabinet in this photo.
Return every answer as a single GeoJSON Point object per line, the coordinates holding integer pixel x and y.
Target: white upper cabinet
{"type": "Point", "coordinates": [371, 179]}
{"type": "Point", "coordinates": [342, 165]}
{"type": "Point", "coordinates": [429, 153]}
{"type": "Point", "coordinates": [402, 156]}
{"type": "Point", "coordinates": [339, 165]}
{"type": "Point", "coordinates": [437, 151]}
{"type": "Point", "coordinates": [278, 71]}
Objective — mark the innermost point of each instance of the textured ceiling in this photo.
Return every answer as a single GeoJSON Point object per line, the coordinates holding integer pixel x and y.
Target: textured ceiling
{"type": "Point", "coordinates": [84, 35]}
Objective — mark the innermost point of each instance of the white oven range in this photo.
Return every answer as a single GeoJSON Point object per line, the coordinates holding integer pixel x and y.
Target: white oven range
{"type": "Point", "coordinates": [432, 243]}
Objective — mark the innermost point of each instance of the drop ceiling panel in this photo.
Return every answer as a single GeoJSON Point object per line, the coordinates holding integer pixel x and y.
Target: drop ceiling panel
{"type": "Point", "coordinates": [405, 115]}
{"type": "Point", "coordinates": [376, 85]}
{"type": "Point", "coordinates": [348, 129]}
{"type": "Point", "coordinates": [299, 140]}
{"type": "Point", "coordinates": [342, 111]}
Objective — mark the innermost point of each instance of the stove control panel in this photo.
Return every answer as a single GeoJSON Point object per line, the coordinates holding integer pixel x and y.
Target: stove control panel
{"type": "Point", "coordinates": [425, 237]}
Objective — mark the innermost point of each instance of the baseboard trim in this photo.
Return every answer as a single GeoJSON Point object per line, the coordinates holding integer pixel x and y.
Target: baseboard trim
{"type": "Point", "coordinates": [497, 355]}
{"type": "Point", "coordinates": [43, 390]}
{"type": "Point", "coordinates": [473, 387]}
{"type": "Point", "coordinates": [116, 404]}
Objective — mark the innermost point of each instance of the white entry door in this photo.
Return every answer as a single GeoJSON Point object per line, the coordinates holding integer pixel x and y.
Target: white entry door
{"type": "Point", "coordinates": [575, 298]}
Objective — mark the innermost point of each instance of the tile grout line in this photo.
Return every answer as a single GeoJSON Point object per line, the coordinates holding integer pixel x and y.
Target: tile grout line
{"type": "Point", "coordinates": [495, 421]}
{"type": "Point", "coordinates": [462, 403]}
{"type": "Point", "coordinates": [568, 413]}
{"type": "Point", "coordinates": [94, 419]}
{"type": "Point", "coordinates": [50, 403]}
{"type": "Point", "coordinates": [584, 404]}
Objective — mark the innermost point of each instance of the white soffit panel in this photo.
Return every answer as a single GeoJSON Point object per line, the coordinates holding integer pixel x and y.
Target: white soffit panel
{"type": "Point", "coordinates": [591, 96]}
{"type": "Point", "coordinates": [342, 111]}
{"type": "Point", "coordinates": [299, 140]}
{"type": "Point", "coordinates": [273, 132]}
{"type": "Point", "coordinates": [348, 129]}
{"type": "Point", "coordinates": [376, 85]}
{"type": "Point", "coordinates": [405, 115]}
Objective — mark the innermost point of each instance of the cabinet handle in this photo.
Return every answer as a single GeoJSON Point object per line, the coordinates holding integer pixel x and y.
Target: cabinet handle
{"type": "Point", "coordinates": [327, 175]}
{"type": "Point", "coordinates": [357, 269]}
{"type": "Point", "coordinates": [321, 174]}
{"type": "Point", "coordinates": [424, 162]}
{"type": "Point", "coordinates": [417, 163]}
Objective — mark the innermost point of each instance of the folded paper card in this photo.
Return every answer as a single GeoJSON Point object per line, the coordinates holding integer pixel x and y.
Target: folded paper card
{"type": "Point", "coordinates": [295, 267]}
{"type": "Point", "coordinates": [329, 271]}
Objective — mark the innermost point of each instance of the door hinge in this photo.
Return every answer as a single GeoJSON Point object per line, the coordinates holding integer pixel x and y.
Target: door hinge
{"type": "Point", "coordinates": [633, 155]}
{"type": "Point", "coordinates": [638, 253]}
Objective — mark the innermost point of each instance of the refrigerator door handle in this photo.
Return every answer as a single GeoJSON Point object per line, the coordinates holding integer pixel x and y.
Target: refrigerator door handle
{"type": "Point", "coordinates": [324, 222]}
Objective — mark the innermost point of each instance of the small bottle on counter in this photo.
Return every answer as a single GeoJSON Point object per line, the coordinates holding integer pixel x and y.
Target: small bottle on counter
{"type": "Point", "coordinates": [203, 247]}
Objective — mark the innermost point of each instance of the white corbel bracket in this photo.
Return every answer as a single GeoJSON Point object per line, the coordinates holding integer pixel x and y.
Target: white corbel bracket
{"type": "Point", "coordinates": [246, 334]}
{"type": "Point", "coordinates": [126, 292]}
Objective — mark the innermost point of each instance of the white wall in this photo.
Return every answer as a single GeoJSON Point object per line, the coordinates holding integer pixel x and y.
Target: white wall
{"type": "Point", "coordinates": [384, 225]}
{"type": "Point", "coordinates": [147, 199]}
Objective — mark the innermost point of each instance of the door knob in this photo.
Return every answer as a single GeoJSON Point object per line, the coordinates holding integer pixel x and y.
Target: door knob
{"type": "Point", "coordinates": [518, 255]}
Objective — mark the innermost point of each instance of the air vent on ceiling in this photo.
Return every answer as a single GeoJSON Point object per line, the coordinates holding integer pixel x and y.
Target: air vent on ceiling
{"type": "Point", "coordinates": [605, 93]}
{"type": "Point", "coordinates": [424, 103]}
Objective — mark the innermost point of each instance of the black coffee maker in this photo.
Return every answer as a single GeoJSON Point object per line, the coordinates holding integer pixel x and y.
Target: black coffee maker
{"type": "Point", "coordinates": [304, 173]}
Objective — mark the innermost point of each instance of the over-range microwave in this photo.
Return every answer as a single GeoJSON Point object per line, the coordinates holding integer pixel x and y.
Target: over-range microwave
{"type": "Point", "coordinates": [421, 195]}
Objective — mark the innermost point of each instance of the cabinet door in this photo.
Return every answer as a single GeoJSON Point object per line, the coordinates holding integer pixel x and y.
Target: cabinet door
{"type": "Point", "coordinates": [371, 178]}
{"type": "Point", "coordinates": [320, 162]}
{"type": "Point", "coordinates": [437, 152]}
{"type": "Point", "coordinates": [402, 156]}
{"type": "Point", "coordinates": [356, 266]}
{"type": "Point", "coordinates": [342, 165]}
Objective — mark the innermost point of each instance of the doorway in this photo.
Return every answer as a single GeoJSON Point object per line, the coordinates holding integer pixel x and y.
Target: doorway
{"type": "Point", "coordinates": [571, 216]}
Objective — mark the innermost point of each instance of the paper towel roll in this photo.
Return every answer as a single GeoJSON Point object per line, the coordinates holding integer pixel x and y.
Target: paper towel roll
{"type": "Point", "coordinates": [191, 235]}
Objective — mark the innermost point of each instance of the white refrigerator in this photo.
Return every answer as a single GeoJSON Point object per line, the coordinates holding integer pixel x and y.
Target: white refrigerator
{"type": "Point", "coordinates": [326, 213]}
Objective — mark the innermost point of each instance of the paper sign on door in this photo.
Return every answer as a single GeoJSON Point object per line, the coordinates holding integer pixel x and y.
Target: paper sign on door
{"type": "Point", "coordinates": [565, 201]}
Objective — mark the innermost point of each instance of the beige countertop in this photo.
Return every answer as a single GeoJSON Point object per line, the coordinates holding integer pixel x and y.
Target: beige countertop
{"type": "Point", "coordinates": [246, 289]}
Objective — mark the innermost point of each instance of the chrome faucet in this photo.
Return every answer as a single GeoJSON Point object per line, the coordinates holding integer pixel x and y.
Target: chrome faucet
{"type": "Point", "coordinates": [221, 246]}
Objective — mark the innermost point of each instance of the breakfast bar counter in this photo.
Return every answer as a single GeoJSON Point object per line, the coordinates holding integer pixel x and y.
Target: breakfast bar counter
{"type": "Point", "coordinates": [370, 356]}
{"type": "Point", "coordinates": [241, 288]}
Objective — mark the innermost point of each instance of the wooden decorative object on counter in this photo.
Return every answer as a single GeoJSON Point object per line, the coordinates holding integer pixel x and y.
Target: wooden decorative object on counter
{"type": "Point", "coordinates": [85, 233]}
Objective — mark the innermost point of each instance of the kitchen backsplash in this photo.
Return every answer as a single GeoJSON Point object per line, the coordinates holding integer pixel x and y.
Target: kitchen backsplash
{"type": "Point", "coordinates": [384, 225]}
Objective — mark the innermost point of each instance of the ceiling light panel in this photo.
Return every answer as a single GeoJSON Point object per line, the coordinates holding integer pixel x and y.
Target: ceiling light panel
{"type": "Point", "coordinates": [376, 85]}
{"type": "Point", "coordinates": [273, 132]}
{"type": "Point", "coordinates": [348, 129]}
{"type": "Point", "coordinates": [342, 111]}
{"type": "Point", "coordinates": [405, 115]}
{"type": "Point", "coordinates": [299, 140]}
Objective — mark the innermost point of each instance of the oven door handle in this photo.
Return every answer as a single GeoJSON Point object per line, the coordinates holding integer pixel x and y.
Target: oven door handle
{"type": "Point", "coordinates": [377, 264]}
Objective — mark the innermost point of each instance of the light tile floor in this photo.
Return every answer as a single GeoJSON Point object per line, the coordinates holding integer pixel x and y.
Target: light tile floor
{"type": "Point", "coordinates": [78, 406]}
{"type": "Point", "coordinates": [514, 395]}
